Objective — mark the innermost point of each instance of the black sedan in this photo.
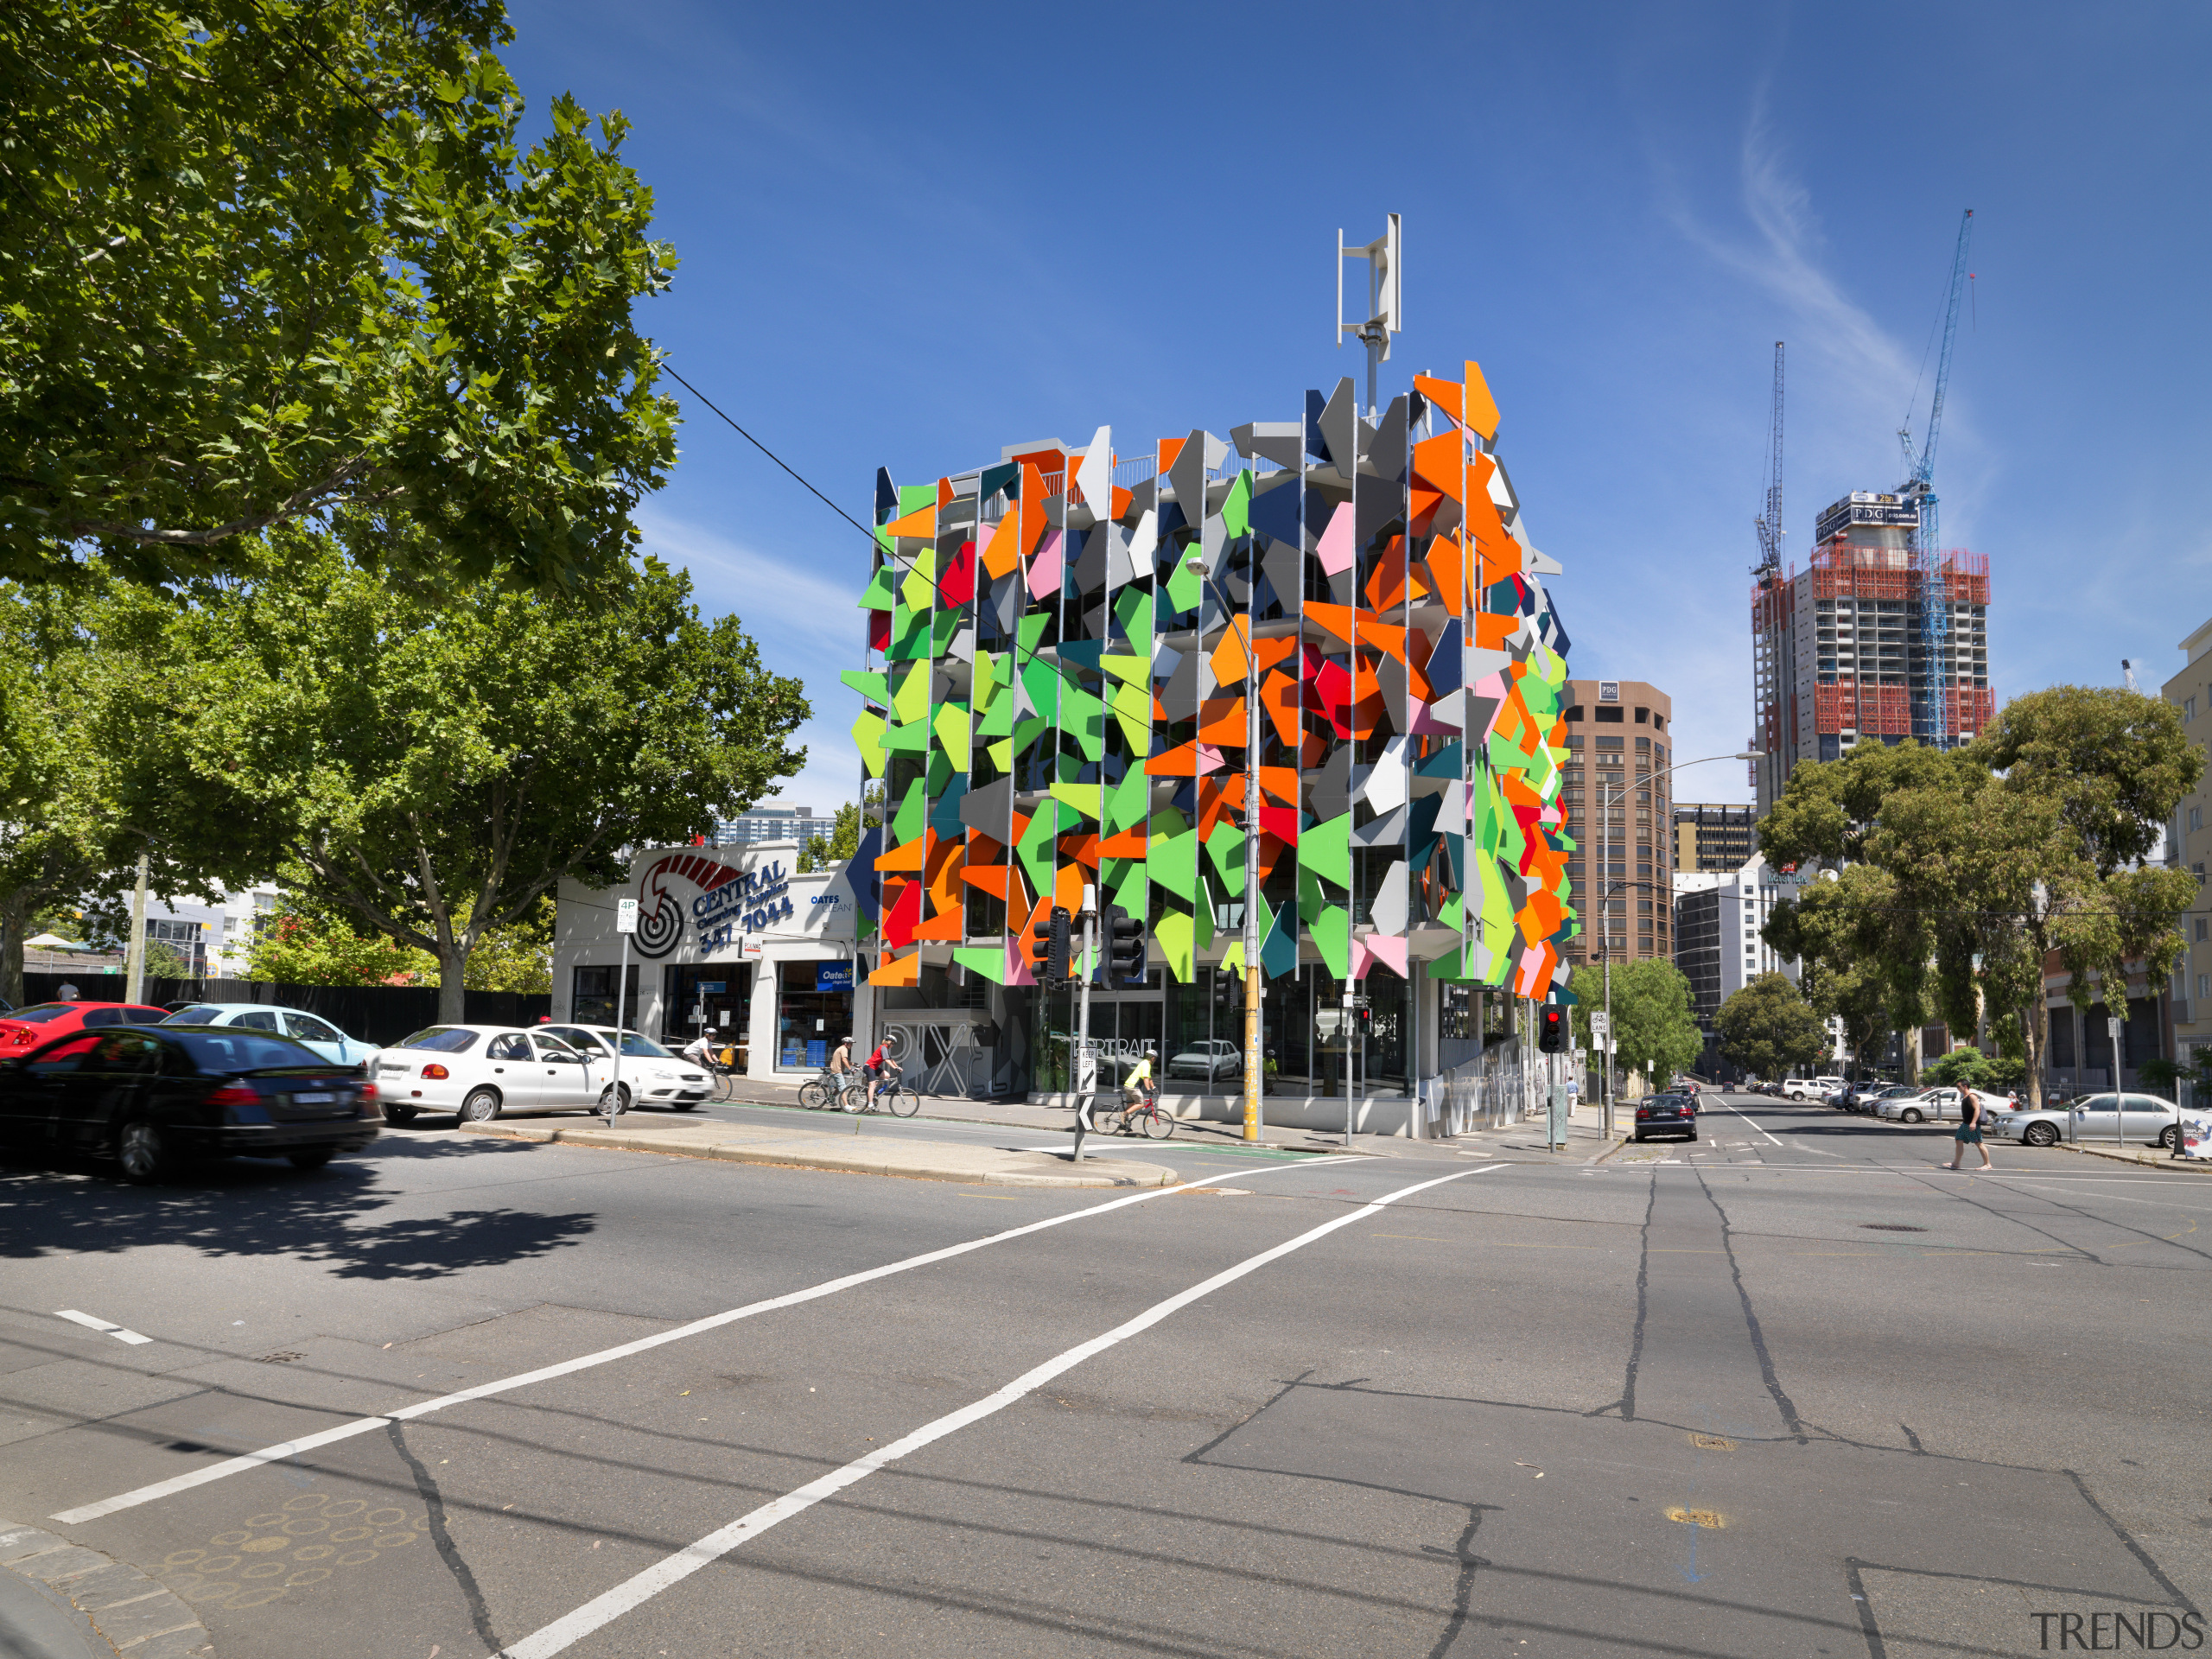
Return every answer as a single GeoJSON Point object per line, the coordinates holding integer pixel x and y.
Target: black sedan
{"type": "Point", "coordinates": [153, 1098]}
{"type": "Point", "coordinates": [1666, 1115]}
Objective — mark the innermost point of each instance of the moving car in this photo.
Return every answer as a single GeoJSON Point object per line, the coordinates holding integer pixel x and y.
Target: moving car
{"type": "Point", "coordinates": [26, 1028]}
{"type": "Point", "coordinates": [1666, 1115]}
{"type": "Point", "coordinates": [153, 1097]}
{"type": "Point", "coordinates": [478, 1072]}
{"type": "Point", "coordinates": [1940, 1104]}
{"type": "Point", "coordinates": [298, 1024]}
{"type": "Point", "coordinates": [650, 1074]}
{"type": "Point", "coordinates": [2096, 1119]}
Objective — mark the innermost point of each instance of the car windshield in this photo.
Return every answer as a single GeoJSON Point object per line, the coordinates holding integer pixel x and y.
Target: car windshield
{"type": "Point", "coordinates": [39, 1012]}
{"type": "Point", "coordinates": [245, 1051]}
{"type": "Point", "coordinates": [440, 1040]}
{"type": "Point", "coordinates": [638, 1046]}
{"type": "Point", "coordinates": [203, 1016]}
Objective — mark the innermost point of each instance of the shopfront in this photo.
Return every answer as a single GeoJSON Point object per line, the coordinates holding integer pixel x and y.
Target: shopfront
{"type": "Point", "coordinates": [730, 941]}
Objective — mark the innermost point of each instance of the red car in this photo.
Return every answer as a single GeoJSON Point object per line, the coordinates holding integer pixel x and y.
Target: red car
{"type": "Point", "coordinates": [43, 1021]}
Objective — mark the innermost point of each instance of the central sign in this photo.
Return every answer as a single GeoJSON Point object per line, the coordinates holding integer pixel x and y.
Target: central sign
{"type": "Point", "coordinates": [728, 901]}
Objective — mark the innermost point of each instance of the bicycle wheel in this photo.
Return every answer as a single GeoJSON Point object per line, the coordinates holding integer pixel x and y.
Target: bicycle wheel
{"type": "Point", "coordinates": [1158, 1125]}
{"type": "Point", "coordinates": [814, 1094]}
{"type": "Point", "coordinates": [854, 1098]}
{"type": "Point", "coordinates": [900, 1102]}
{"type": "Point", "coordinates": [724, 1082]}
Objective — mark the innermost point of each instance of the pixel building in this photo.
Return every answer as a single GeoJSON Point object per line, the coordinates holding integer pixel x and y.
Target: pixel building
{"type": "Point", "coordinates": [1051, 697]}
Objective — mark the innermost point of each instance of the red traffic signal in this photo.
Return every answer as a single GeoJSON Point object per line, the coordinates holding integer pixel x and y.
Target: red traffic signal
{"type": "Point", "coordinates": [1551, 1033]}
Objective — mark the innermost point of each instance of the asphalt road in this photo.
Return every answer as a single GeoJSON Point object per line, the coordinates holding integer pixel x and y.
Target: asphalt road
{"type": "Point", "coordinates": [1793, 1389]}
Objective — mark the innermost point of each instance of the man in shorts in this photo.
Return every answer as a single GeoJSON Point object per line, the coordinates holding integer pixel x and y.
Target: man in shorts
{"type": "Point", "coordinates": [1968, 1133]}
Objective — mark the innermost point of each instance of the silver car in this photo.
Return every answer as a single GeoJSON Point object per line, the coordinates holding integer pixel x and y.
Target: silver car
{"type": "Point", "coordinates": [2093, 1120]}
{"type": "Point", "coordinates": [317, 1033]}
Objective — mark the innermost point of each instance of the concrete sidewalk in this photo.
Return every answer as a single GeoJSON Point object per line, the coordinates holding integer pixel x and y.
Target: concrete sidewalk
{"type": "Point", "coordinates": [60, 1601]}
{"type": "Point", "coordinates": [880, 1155]}
{"type": "Point", "coordinates": [1519, 1142]}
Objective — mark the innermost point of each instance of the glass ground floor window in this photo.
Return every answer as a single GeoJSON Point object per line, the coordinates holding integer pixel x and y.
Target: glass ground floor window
{"type": "Point", "coordinates": [715, 996]}
{"type": "Point", "coordinates": [591, 994]}
{"type": "Point", "coordinates": [814, 1008]}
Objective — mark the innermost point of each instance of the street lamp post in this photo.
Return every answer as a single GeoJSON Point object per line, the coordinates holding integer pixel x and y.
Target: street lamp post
{"type": "Point", "coordinates": [1604, 895]}
{"type": "Point", "coordinates": [1254, 1072]}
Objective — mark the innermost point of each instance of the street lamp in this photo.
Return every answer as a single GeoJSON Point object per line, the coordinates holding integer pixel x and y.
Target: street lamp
{"type": "Point", "coordinates": [1196, 565]}
{"type": "Point", "coordinates": [1604, 892]}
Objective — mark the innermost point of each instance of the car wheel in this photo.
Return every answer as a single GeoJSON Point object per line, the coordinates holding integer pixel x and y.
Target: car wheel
{"type": "Point", "coordinates": [1638, 1137]}
{"type": "Point", "coordinates": [394, 1113]}
{"type": "Point", "coordinates": [613, 1101]}
{"type": "Point", "coordinates": [481, 1106]}
{"type": "Point", "coordinates": [2040, 1135]}
{"type": "Point", "coordinates": [314, 1160]}
{"type": "Point", "coordinates": [1912, 1117]}
{"type": "Point", "coordinates": [2166, 1137]}
{"type": "Point", "coordinates": [144, 1153]}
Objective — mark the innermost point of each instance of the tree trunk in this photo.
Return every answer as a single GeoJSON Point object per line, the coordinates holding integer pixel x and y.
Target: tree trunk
{"type": "Point", "coordinates": [2037, 1021]}
{"type": "Point", "coordinates": [1912, 1040]}
{"type": "Point", "coordinates": [14, 916]}
{"type": "Point", "coordinates": [452, 996]}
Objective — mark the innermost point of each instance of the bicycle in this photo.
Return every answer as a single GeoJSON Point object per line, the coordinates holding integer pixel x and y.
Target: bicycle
{"type": "Point", "coordinates": [825, 1090]}
{"type": "Point", "coordinates": [891, 1095]}
{"type": "Point", "coordinates": [1156, 1124]}
{"type": "Point", "coordinates": [722, 1066]}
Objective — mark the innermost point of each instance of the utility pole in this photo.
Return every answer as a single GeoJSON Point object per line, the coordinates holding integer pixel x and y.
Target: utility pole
{"type": "Point", "coordinates": [1086, 1062]}
{"type": "Point", "coordinates": [625, 924]}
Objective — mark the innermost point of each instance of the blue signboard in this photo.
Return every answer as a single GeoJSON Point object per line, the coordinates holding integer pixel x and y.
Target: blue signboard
{"type": "Point", "coordinates": [713, 987]}
{"type": "Point", "coordinates": [833, 976]}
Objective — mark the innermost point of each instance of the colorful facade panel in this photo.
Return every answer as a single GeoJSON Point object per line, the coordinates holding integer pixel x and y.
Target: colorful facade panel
{"type": "Point", "coordinates": [1052, 696]}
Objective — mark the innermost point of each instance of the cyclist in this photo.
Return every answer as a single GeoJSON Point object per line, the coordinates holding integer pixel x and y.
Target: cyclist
{"type": "Point", "coordinates": [700, 1052]}
{"type": "Point", "coordinates": [879, 1067]}
{"type": "Point", "coordinates": [1136, 1088]}
{"type": "Point", "coordinates": [840, 1058]}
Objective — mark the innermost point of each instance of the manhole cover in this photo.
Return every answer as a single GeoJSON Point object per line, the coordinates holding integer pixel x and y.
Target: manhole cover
{"type": "Point", "coordinates": [1889, 1227]}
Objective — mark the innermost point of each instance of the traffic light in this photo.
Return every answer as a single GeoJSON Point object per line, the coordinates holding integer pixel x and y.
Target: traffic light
{"type": "Point", "coordinates": [1056, 947]}
{"type": "Point", "coordinates": [1125, 947]}
{"type": "Point", "coordinates": [1551, 1035]}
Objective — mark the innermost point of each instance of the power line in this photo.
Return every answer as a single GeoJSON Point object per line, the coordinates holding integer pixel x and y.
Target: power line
{"type": "Point", "coordinates": [770, 454]}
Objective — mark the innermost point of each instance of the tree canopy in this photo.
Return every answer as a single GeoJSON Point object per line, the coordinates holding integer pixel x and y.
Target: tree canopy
{"type": "Point", "coordinates": [262, 259]}
{"type": "Point", "coordinates": [1770, 1030]}
{"type": "Point", "coordinates": [431, 766]}
{"type": "Point", "coordinates": [1654, 1030]}
{"type": "Point", "coordinates": [1986, 862]}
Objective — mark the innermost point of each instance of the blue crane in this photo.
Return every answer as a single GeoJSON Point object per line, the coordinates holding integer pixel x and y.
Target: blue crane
{"type": "Point", "coordinates": [1932, 720]}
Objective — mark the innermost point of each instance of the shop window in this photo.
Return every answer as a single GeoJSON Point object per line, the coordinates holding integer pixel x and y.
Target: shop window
{"type": "Point", "coordinates": [716, 995]}
{"type": "Point", "coordinates": [814, 1008]}
{"type": "Point", "coordinates": [591, 995]}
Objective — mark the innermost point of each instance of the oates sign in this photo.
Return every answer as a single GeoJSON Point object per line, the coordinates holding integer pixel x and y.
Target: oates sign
{"type": "Point", "coordinates": [721, 901]}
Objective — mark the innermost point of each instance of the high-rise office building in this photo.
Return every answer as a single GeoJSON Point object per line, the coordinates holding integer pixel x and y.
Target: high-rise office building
{"type": "Point", "coordinates": [1713, 837]}
{"type": "Point", "coordinates": [770, 824]}
{"type": "Point", "coordinates": [1619, 741]}
{"type": "Point", "coordinates": [1869, 641]}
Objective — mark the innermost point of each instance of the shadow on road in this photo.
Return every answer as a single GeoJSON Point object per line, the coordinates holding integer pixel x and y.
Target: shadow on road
{"type": "Point", "coordinates": [261, 1207]}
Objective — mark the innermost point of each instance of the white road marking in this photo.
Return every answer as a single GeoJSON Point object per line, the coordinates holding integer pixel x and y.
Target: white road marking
{"type": "Point", "coordinates": [268, 1454]}
{"type": "Point", "coordinates": [100, 1326]}
{"type": "Point", "coordinates": [633, 1592]}
{"type": "Point", "coordinates": [1740, 1113]}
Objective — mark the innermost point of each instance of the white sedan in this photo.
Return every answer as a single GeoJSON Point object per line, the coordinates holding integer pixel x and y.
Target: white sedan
{"type": "Point", "coordinates": [1942, 1104]}
{"type": "Point", "coordinates": [479, 1071]}
{"type": "Point", "coordinates": [651, 1075]}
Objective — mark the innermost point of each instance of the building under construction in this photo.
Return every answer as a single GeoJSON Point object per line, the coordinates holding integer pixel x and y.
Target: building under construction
{"type": "Point", "coordinates": [1872, 639]}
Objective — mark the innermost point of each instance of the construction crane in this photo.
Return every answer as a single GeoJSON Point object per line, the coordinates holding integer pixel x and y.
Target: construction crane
{"type": "Point", "coordinates": [1768, 524]}
{"type": "Point", "coordinates": [1919, 488]}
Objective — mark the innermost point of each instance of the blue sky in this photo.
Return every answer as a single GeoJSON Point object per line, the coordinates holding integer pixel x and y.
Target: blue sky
{"type": "Point", "coordinates": [910, 235]}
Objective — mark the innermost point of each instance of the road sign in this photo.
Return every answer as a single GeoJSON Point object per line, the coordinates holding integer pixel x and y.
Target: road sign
{"type": "Point", "coordinates": [1601, 1024]}
{"type": "Point", "coordinates": [626, 916]}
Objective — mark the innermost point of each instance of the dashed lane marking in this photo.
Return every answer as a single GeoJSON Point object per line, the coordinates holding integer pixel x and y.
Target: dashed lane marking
{"type": "Point", "coordinates": [100, 1326]}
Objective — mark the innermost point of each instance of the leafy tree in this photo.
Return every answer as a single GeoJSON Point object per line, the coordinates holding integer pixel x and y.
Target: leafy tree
{"type": "Point", "coordinates": [1862, 956]}
{"type": "Point", "coordinates": [1962, 1066]}
{"type": "Point", "coordinates": [164, 961]}
{"type": "Point", "coordinates": [1654, 1030]}
{"type": "Point", "coordinates": [306, 943]}
{"type": "Point", "coordinates": [431, 766]}
{"type": "Point", "coordinates": [1770, 1030]}
{"type": "Point", "coordinates": [842, 841]}
{"type": "Point", "coordinates": [262, 259]}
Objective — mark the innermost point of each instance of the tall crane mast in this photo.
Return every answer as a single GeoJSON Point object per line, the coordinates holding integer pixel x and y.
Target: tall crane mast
{"type": "Point", "coordinates": [1935, 722]}
{"type": "Point", "coordinates": [1768, 523]}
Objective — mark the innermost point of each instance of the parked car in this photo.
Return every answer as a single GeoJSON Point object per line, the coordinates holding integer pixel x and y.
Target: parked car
{"type": "Point", "coordinates": [26, 1028]}
{"type": "Point", "coordinates": [1665, 1115]}
{"type": "Point", "coordinates": [650, 1074]}
{"type": "Point", "coordinates": [1810, 1088]}
{"type": "Point", "coordinates": [1939, 1104]}
{"type": "Point", "coordinates": [478, 1072]}
{"type": "Point", "coordinates": [1874, 1097]}
{"type": "Point", "coordinates": [2095, 1118]}
{"type": "Point", "coordinates": [153, 1097]}
{"type": "Point", "coordinates": [317, 1033]}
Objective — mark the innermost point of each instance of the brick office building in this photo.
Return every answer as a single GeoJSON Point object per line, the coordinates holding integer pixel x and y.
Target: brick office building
{"type": "Point", "coordinates": [1619, 736]}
